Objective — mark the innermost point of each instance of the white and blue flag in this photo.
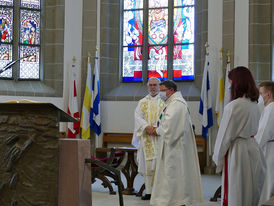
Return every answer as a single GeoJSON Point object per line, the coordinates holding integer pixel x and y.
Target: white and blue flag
{"type": "Point", "coordinates": [205, 101]}
{"type": "Point", "coordinates": [95, 119]}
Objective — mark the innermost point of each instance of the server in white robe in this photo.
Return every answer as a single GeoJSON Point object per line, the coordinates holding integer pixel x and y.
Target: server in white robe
{"type": "Point", "coordinates": [146, 114]}
{"type": "Point", "coordinates": [236, 152]}
{"type": "Point", "coordinates": [265, 138]}
{"type": "Point", "coordinates": [177, 178]}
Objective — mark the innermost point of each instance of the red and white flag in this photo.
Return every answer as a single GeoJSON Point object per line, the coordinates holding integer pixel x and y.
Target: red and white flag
{"type": "Point", "coordinates": [73, 127]}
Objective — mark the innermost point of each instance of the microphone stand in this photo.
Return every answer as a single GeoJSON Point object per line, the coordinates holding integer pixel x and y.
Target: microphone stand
{"type": "Point", "coordinates": [10, 64]}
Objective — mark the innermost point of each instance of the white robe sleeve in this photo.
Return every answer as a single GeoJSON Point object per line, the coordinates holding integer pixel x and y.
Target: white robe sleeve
{"type": "Point", "coordinates": [140, 125]}
{"type": "Point", "coordinates": [265, 131]}
{"type": "Point", "coordinates": [172, 126]}
{"type": "Point", "coordinates": [226, 134]}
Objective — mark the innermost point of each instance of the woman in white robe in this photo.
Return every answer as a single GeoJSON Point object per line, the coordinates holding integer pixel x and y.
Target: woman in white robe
{"type": "Point", "coordinates": [236, 152]}
{"type": "Point", "coordinates": [177, 179]}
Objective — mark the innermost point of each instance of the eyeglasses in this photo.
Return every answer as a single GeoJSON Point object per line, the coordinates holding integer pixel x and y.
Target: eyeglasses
{"type": "Point", "coordinates": [153, 85]}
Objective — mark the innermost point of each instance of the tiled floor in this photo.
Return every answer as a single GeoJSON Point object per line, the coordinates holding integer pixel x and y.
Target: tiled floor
{"type": "Point", "coordinates": [101, 197]}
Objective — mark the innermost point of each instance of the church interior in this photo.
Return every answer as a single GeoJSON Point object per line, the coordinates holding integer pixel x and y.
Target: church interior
{"type": "Point", "coordinates": [73, 36]}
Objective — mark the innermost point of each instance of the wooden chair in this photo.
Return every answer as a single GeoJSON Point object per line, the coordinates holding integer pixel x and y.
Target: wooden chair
{"type": "Point", "coordinates": [101, 168]}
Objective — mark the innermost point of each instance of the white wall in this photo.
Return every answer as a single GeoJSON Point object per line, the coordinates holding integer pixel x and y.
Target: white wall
{"type": "Point", "coordinates": [118, 116]}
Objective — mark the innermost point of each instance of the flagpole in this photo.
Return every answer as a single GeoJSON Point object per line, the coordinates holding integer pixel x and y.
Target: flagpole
{"type": "Point", "coordinates": [91, 132]}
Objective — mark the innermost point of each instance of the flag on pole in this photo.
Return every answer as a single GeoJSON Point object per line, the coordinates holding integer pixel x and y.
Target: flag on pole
{"type": "Point", "coordinates": [95, 119]}
{"type": "Point", "coordinates": [205, 101]}
{"type": "Point", "coordinates": [73, 127]}
{"type": "Point", "coordinates": [219, 108]}
{"type": "Point", "coordinates": [227, 85]}
{"type": "Point", "coordinates": [85, 116]}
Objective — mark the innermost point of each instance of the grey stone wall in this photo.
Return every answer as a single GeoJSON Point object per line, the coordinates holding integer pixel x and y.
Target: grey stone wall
{"type": "Point", "coordinates": [228, 30]}
{"type": "Point", "coordinates": [88, 39]}
{"type": "Point", "coordinates": [260, 39]}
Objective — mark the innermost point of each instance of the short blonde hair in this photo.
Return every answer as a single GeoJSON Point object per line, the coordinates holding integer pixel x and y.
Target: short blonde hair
{"type": "Point", "coordinates": [269, 86]}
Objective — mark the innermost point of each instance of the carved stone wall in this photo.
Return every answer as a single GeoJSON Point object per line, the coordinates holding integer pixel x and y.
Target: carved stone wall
{"type": "Point", "coordinates": [28, 157]}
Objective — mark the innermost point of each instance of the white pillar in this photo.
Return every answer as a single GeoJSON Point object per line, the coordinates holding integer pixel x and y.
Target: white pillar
{"type": "Point", "coordinates": [241, 33]}
{"type": "Point", "coordinates": [215, 40]}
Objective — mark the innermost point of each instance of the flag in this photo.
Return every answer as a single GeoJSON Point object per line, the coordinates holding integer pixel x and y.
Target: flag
{"type": "Point", "coordinates": [73, 127]}
{"type": "Point", "coordinates": [95, 119]}
{"type": "Point", "coordinates": [85, 116]}
{"type": "Point", "coordinates": [205, 101]}
{"type": "Point", "coordinates": [219, 108]}
{"type": "Point", "coordinates": [227, 84]}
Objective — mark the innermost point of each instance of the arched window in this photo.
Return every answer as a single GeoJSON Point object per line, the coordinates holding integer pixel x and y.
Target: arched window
{"type": "Point", "coordinates": [154, 46]}
{"type": "Point", "coordinates": [25, 44]}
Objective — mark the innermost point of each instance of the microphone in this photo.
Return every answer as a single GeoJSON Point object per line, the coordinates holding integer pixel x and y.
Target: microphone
{"type": "Point", "coordinates": [10, 64]}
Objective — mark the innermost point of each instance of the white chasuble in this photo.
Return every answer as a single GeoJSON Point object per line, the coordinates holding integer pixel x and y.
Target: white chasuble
{"type": "Point", "coordinates": [146, 114]}
{"type": "Point", "coordinates": [265, 139]}
{"type": "Point", "coordinates": [177, 179]}
{"type": "Point", "coordinates": [238, 155]}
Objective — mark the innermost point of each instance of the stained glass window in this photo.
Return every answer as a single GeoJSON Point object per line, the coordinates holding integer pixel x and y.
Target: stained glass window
{"type": "Point", "coordinates": [29, 39]}
{"type": "Point", "coordinates": [6, 29]}
{"type": "Point", "coordinates": [6, 2]}
{"type": "Point", "coordinates": [30, 4]}
{"type": "Point", "coordinates": [157, 62]}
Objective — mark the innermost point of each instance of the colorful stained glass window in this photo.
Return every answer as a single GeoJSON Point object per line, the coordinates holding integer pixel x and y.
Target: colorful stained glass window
{"type": "Point", "coordinates": [30, 27]}
{"type": "Point", "coordinates": [183, 2]}
{"type": "Point", "coordinates": [157, 26]}
{"type": "Point", "coordinates": [133, 4]}
{"type": "Point", "coordinates": [6, 17]}
{"type": "Point", "coordinates": [183, 31]}
{"type": "Point", "coordinates": [6, 2]}
{"type": "Point", "coordinates": [132, 63]}
{"type": "Point", "coordinates": [5, 58]}
{"type": "Point", "coordinates": [6, 31]}
{"type": "Point", "coordinates": [29, 39]}
{"type": "Point", "coordinates": [183, 62]}
{"type": "Point", "coordinates": [133, 28]}
{"type": "Point", "coordinates": [34, 4]}
{"type": "Point", "coordinates": [157, 3]}
{"type": "Point", "coordinates": [157, 62]}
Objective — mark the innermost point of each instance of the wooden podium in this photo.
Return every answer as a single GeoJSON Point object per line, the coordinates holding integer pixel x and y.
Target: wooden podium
{"type": "Point", "coordinates": [30, 155]}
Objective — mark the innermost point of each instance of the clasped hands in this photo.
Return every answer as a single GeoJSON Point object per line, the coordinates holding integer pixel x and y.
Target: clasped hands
{"type": "Point", "coordinates": [150, 130]}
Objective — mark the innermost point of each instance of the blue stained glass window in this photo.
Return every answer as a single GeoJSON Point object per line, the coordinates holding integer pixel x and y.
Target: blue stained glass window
{"type": "Point", "coordinates": [133, 28]}
{"type": "Point", "coordinates": [157, 60]}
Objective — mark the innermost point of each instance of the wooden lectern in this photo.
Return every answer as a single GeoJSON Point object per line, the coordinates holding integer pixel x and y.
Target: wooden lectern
{"type": "Point", "coordinates": [30, 157]}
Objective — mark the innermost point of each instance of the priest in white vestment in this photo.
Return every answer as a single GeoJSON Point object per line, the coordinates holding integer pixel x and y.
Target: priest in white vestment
{"type": "Point", "coordinates": [177, 179]}
{"type": "Point", "coordinates": [236, 152]}
{"type": "Point", "coordinates": [146, 114]}
{"type": "Point", "coordinates": [265, 138]}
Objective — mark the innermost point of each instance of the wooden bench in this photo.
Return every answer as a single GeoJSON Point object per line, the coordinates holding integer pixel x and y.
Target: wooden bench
{"type": "Point", "coordinates": [113, 137]}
